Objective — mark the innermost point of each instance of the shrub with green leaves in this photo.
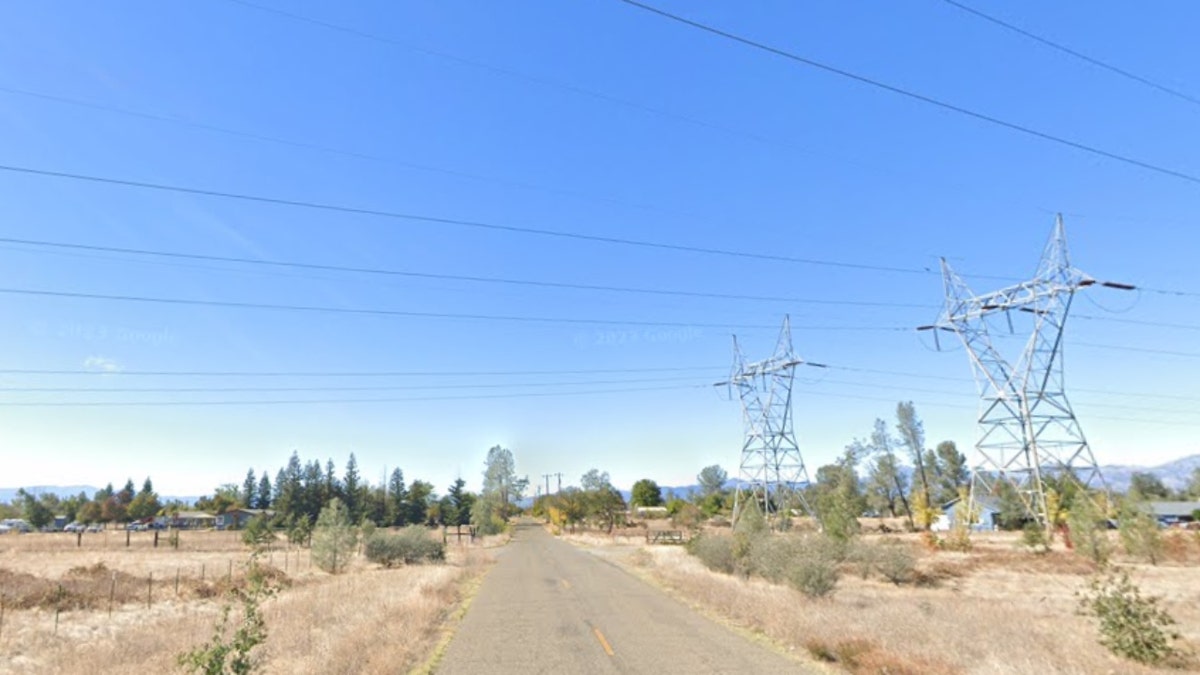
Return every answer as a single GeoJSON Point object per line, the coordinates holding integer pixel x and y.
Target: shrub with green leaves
{"type": "Point", "coordinates": [813, 575]}
{"type": "Point", "coordinates": [1033, 537]}
{"type": "Point", "coordinates": [715, 551]}
{"type": "Point", "coordinates": [1088, 530]}
{"type": "Point", "coordinates": [771, 557]}
{"type": "Point", "coordinates": [1131, 625]}
{"type": "Point", "coordinates": [410, 546]}
{"type": "Point", "coordinates": [896, 563]}
{"type": "Point", "coordinates": [259, 532]}
{"type": "Point", "coordinates": [233, 653]}
{"type": "Point", "coordinates": [1140, 535]}
{"type": "Point", "coordinates": [333, 539]}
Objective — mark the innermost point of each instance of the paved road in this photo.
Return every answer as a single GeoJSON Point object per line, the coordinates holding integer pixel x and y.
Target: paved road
{"type": "Point", "coordinates": [547, 607]}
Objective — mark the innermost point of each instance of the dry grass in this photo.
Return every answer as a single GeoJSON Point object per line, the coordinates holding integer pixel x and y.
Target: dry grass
{"type": "Point", "coordinates": [993, 610]}
{"type": "Point", "coordinates": [368, 620]}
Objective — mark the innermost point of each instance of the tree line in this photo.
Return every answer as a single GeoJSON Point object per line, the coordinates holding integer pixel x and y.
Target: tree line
{"type": "Point", "coordinates": [297, 495]}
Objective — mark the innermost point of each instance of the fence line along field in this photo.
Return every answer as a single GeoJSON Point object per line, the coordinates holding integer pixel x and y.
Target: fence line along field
{"type": "Point", "coordinates": [104, 607]}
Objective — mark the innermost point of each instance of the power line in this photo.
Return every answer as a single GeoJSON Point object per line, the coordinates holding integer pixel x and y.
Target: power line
{"type": "Point", "coordinates": [1067, 50]}
{"type": "Point", "coordinates": [333, 401]}
{"type": "Point", "coordinates": [444, 277]}
{"type": "Point", "coordinates": [411, 314]}
{"type": "Point", "coordinates": [908, 93]}
{"type": "Point", "coordinates": [1140, 322]}
{"type": "Point", "coordinates": [927, 404]}
{"type": "Point", "coordinates": [262, 390]}
{"type": "Point", "coordinates": [341, 374]}
{"type": "Point", "coordinates": [439, 220]}
{"type": "Point", "coordinates": [502, 385]}
{"type": "Point", "coordinates": [1143, 350]}
{"type": "Point", "coordinates": [171, 119]}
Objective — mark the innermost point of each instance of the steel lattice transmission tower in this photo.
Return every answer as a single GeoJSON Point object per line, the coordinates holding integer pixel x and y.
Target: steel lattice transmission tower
{"type": "Point", "coordinates": [771, 469]}
{"type": "Point", "coordinates": [1028, 430]}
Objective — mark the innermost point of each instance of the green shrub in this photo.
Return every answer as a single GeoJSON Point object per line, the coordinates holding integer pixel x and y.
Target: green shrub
{"type": "Point", "coordinates": [233, 653]}
{"type": "Point", "coordinates": [333, 539]}
{"type": "Point", "coordinates": [259, 532]}
{"type": "Point", "coordinates": [1131, 625]}
{"type": "Point", "coordinates": [715, 551]}
{"type": "Point", "coordinates": [813, 575]}
{"type": "Point", "coordinates": [1033, 537]}
{"type": "Point", "coordinates": [771, 557]}
{"type": "Point", "coordinates": [863, 556]}
{"type": "Point", "coordinates": [896, 563]}
{"type": "Point", "coordinates": [1140, 535]}
{"type": "Point", "coordinates": [1087, 529]}
{"type": "Point", "coordinates": [411, 546]}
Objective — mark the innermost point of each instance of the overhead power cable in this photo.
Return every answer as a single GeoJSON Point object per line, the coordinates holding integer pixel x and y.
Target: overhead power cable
{"type": "Point", "coordinates": [263, 390]}
{"type": "Point", "coordinates": [351, 373]}
{"type": "Point", "coordinates": [334, 401]}
{"type": "Point", "coordinates": [413, 314]}
{"type": "Point", "coordinates": [304, 145]}
{"type": "Point", "coordinates": [443, 277]}
{"type": "Point", "coordinates": [927, 404]}
{"type": "Point", "coordinates": [1071, 52]}
{"type": "Point", "coordinates": [439, 220]}
{"type": "Point", "coordinates": [908, 93]}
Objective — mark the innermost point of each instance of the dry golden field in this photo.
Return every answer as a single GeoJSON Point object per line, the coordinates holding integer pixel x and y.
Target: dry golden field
{"type": "Point", "coordinates": [57, 616]}
{"type": "Point", "coordinates": [996, 609]}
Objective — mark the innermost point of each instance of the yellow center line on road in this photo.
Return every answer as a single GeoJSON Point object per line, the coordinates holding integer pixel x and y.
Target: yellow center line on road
{"type": "Point", "coordinates": [603, 642]}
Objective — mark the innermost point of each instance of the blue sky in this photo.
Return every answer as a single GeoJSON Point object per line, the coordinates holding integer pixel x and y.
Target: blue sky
{"type": "Point", "coordinates": [592, 118]}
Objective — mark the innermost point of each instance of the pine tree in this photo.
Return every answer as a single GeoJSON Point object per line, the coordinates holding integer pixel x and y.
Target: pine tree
{"type": "Point", "coordinates": [458, 506]}
{"type": "Point", "coordinates": [333, 538]}
{"type": "Point", "coordinates": [397, 499]}
{"type": "Point", "coordinates": [263, 496]}
{"type": "Point", "coordinates": [249, 487]}
{"type": "Point", "coordinates": [352, 491]}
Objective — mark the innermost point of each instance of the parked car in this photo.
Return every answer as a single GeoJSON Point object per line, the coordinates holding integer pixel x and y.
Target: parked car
{"type": "Point", "coordinates": [75, 527]}
{"type": "Point", "coordinates": [95, 527]}
{"type": "Point", "coordinates": [14, 525]}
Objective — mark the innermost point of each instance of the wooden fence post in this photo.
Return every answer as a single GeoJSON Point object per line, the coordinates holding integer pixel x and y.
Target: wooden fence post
{"type": "Point", "coordinates": [127, 533]}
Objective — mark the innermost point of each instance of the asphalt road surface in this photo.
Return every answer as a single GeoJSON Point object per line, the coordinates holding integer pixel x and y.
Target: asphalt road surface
{"type": "Point", "coordinates": [547, 607]}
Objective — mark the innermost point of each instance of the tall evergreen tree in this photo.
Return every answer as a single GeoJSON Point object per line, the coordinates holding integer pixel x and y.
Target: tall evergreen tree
{"type": "Point", "coordinates": [262, 499]}
{"type": "Point", "coordinates": [352, 490]}
{"type": "Point", "coordinates": [458, 507]}
{"type": "Point", "coordinates": [127, 493]}
{"type": "Point", "coordinates": [249, 488]}
{"type": "Point", "coordinates": [313, 490]}
{"type": "Point", "coordinates": [333, 488]}
{"type": "Point", "coordinates": [397, 499]}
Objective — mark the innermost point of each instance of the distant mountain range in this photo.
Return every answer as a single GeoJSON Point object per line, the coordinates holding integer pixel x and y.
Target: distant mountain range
{"type": "Point", "coordinates": [1174, 475]}
{"type": "Point", "coordinates": [8, 494]}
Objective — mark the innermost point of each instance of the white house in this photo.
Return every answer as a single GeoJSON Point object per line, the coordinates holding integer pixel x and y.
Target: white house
{"type": "Point", "coordinates": [988, 509]}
